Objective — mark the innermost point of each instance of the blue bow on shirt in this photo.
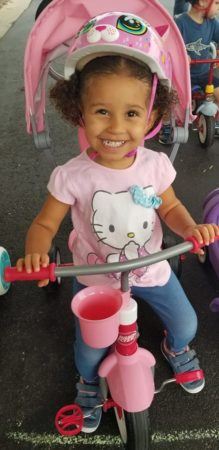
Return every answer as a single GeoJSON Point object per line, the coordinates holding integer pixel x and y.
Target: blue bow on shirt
{"type": "Point", "coordinates": [140, 198]}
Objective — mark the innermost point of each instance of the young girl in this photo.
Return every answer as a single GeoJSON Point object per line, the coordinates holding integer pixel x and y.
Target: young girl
{"type": "Point", "coordinates": [199, 28]}
{"type": "Point", "coordinates": [114, 187]}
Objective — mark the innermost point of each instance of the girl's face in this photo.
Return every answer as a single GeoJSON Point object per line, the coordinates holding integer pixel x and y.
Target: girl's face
{"type": "Point", "coordinates": [214, 9]}
{"type": "Point", "coordinates": [114, 110]}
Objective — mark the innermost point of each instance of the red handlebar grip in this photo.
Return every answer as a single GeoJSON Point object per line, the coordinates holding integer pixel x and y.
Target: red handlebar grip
{"type": "Point", "coordinates": [196, 245]}
{"type": "Point", "coordinates": [12, 274]}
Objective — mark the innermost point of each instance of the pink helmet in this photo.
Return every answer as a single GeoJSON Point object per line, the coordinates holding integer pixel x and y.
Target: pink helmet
{"type": "Point", "coordinates": [124, 34]}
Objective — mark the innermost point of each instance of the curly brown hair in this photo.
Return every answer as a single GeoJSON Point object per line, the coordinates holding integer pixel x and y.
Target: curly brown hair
{"type": "Point", "coordinates": [67, 94]}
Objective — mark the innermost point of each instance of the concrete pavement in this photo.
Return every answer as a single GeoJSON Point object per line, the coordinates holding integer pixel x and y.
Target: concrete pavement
{"type": "Point", "coordinates": [9, 13]}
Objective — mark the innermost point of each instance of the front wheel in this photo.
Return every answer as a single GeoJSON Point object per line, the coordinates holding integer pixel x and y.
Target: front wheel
{"type": "Point", "coordinates": [134, 429]}
{"type": "Point", "coordinates": [206, 130]}
{"type": "Point", "coordinates": [4, 263]}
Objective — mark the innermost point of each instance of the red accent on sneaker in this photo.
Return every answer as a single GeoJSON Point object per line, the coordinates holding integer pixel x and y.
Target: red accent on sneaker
{"type": "Point", "coordinates": [189, 377]}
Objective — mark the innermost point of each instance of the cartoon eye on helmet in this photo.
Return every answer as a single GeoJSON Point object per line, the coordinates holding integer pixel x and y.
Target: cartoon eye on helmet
{"type": "Point", "coordinates": [131, 25]}
{"type": "Point", "coordinates": [120, 33]}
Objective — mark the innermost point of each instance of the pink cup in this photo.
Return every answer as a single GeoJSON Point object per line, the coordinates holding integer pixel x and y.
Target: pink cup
{"type": "Point", "coordinates": [97, 309]}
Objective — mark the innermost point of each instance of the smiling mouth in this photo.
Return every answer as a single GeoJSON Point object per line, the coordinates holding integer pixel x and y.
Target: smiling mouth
{"type": "Point", "coordinates": [112, 144]}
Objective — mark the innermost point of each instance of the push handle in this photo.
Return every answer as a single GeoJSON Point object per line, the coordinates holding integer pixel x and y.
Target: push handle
{"type": "Point", "coordinates": [196, 245]}
{"type": "Point", "coordinates": [12, 274]}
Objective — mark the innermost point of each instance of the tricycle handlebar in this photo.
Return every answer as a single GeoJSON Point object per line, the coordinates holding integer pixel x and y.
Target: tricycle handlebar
{"type": "Point", "coordinates": [65, 270]}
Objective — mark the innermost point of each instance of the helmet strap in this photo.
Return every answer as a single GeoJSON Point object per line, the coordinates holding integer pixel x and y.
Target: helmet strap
{"type": "Point", "coordinates": [151, 104]}
{"type": "Point", "coordinates": [153, 93]}
{"type": "Point", "coordinates": [154, 131]}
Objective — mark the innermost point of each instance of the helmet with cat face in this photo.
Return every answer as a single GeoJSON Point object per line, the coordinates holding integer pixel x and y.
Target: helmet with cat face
{"type": "Point", "coordinates": [120, 33]}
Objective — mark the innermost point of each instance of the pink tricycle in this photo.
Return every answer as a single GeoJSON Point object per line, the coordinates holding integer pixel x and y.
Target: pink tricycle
{"type": "Point", "coordinates": [108, 317]}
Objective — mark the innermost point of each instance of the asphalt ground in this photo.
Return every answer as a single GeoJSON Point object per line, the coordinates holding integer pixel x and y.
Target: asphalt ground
{"type": "Point", "coordinates": [37, 375]}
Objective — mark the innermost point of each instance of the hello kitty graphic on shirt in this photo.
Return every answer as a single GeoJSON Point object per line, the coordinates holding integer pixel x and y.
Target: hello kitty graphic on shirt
{"type": "Point", "coordinates": [124, 222]}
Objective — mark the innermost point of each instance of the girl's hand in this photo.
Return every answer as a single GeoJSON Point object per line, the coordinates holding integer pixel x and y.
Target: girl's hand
{"type": "Point", "coordinates": [204, 234]}
{"type": "Point", "coordinates": [33, 262]}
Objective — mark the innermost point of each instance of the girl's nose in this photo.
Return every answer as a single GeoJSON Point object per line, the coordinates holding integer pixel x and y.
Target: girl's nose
{"type": "Point", "coordinates": [131, 235]}
{"type": "Point", "coordinates": [116, 125]}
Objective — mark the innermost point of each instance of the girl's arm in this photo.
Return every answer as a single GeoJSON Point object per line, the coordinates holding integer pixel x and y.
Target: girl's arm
{"type": "Point", "coordinates": [178, 219]}
{"type": "Point", "coordinates": [40, 235]}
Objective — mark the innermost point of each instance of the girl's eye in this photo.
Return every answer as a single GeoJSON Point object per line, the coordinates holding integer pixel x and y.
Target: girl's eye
{"type": "Point", "coordinates": [104, 112]}
{"type": "Point", "coordinates": [132, 114]}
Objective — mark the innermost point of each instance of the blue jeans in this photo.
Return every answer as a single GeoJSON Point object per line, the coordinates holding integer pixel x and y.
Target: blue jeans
{"type": "Point", "coordinates": [180, 7]}
{"type": "Point", "coordinates": [169, 302]}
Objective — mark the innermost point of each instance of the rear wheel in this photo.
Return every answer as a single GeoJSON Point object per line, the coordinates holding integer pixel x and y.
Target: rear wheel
{"type": "Point", "coordinates": [206, 130]}
{"type": "Point", "coordinates": [54, 257]}
{"type": "Point", "coordinates": [204, 259]}
{"type": "Point", "coordinates": [41, 7]}
{"type": "Point", "coordinates": [134, 429]}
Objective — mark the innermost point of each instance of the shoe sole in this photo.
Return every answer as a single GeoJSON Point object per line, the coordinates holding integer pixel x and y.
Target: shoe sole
{"type": "Point", "coordinates": [190, 391]}
{"type": "Point", "coordinates": [88, 430]}
{"type": "Point", "coordinates": [196, 390]}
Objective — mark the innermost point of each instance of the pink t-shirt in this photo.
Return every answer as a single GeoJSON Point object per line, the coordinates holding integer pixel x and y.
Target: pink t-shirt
{"type": "Point", "coordinates": [109, 225]}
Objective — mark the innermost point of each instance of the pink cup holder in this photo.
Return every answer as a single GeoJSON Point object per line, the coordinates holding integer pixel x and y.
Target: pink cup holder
{"type": "Point", "coordinates": [98, 310]}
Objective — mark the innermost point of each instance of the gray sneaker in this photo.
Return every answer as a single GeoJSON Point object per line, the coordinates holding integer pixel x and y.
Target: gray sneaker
{"type": "Point", "coordinates": [88, 398]}
{"type": "Point", "coordinates": [184, 362]}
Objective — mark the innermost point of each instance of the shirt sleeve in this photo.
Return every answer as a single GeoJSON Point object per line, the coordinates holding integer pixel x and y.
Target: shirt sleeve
{"type": "Point", "coordinates": [166, 171]}
{"type": "Point", "coordinates": [216, 31]}
{"type": "Point", "coordinates": [61, 187]}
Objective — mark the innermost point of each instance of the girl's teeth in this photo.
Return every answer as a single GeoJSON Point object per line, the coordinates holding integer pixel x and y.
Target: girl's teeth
{"type": "Point", "coordinates": [114, 144]}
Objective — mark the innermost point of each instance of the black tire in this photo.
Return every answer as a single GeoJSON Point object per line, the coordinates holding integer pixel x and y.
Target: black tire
{"type": "Point", "coordinates": [134, 430]}
{"type": "Point", "coordinates": [175, 262]}
{"type": "Point", "coordinates": [54, 256]}
{"type": "Point", "coordinates": [41, 7]}
{"type": "Point", "coordinates": [206, 130]}
{"type": "Point", "coordinates": [204, 259]}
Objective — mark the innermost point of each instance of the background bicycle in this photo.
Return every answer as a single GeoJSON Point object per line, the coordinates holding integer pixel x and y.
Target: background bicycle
{"type": "Point", "coordinates": [207, 120]}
